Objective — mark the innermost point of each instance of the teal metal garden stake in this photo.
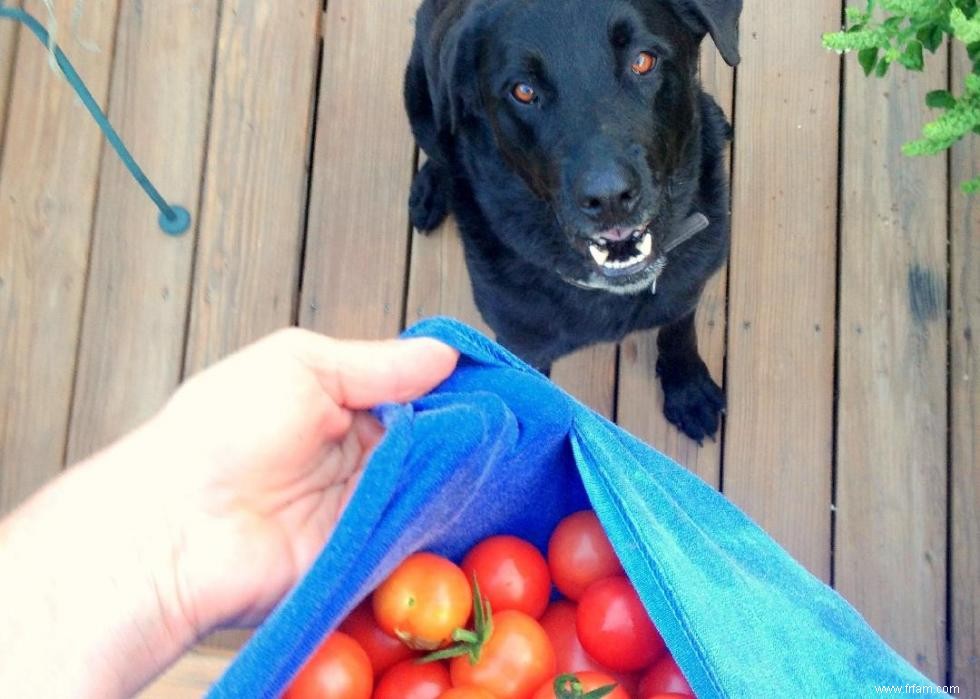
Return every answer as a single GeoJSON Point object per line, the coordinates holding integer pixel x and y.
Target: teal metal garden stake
{"type": "Point", "coordinates": [173, 220]}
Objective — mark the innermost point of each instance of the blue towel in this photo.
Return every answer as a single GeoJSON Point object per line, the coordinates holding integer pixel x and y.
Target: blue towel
{"type": "Point", "coordinates": [498, 449]}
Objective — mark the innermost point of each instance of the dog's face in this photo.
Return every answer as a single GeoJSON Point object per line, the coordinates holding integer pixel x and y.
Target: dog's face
{"type": "Point", "coordinates": [593, 106]}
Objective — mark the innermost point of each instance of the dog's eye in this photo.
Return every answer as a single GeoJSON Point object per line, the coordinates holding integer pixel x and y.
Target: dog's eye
{"type": "Point", "coordinates": [643, 63]}
{"type": "Point", "coordinates": [524, 93]}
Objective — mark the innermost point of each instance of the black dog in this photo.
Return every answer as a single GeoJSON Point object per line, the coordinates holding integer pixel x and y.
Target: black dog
{"type": "Point", "coordinates": [583, 162]}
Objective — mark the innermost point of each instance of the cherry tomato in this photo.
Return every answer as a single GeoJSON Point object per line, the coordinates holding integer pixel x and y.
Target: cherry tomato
{"type": "Point", "coordinates": [513, 663]}
{"type": "Point", "coordinates": [579, 554]}
{"type": "Point", "coordinates": [614, 627]}
{"type": "Point", "coordinates": [667, 695]}
{"type": "Point", "coordinates": [412, 680]}
{"type": "Point", "coordinates": [511, 573]}
{"type": "Point", "coordinates": [558, 621]}
{"type": "Point", "coordinates": [467, 693]}
{"type": "Point", "coordinates": [339, 669]}
{"type": "Point", "coordinates": [423, 601]}
{"type": "Point", "coordinates": [383, 650]}
{"type": "Point", "coordinates": [589, 680]}
{"type": "Point", "coordinates": [664, 677]}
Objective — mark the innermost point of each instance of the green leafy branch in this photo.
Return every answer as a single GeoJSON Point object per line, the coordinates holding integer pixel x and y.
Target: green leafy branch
{"type": "Point", "coordinates": [901, 32]}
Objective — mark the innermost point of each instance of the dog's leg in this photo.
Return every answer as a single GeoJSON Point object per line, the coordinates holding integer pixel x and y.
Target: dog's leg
{"type": "Point", "coordinates": [428, 203]}
{"type": "Point", "coordinates": [692, 400]}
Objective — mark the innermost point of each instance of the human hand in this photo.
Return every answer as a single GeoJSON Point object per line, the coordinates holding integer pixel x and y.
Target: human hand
{"type": "Point", "coordinates": [265, 449]}
{"type": "Point", "coordinates": [202, 517]}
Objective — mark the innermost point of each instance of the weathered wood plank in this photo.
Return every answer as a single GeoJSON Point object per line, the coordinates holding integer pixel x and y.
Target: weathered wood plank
{"type": "Point", "coordinates": [779, 429]}
{"type": "Point", "coordinates": [139, 277]}
{"type": "Point", "coordinates": [890, 543]}
{"type": "Point", "coordinates": [438, 281]}
{"type": "Point", "coordinates": [357, 244]}
{"type": "Point", "coordinates": [254, 202]}
{"type": "Point", "coordinates": [46, 220]}
{"type": "Point", "coordinates": [590, 376]}
{"type": "Point", "coordinates": [965, 417]}
{"type": "Point", "coordinates": [640, 396]}
{"type": "Point", "coordinates": [191, 676]}
{"type": "Point", "coordinates": [253, 208]}
{"type": "Point", "coordinates": [9, 36]}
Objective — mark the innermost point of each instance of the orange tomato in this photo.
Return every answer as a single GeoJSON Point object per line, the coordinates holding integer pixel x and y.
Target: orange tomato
{"type": "Point", "coordinates": [513, 663]}
{"type": "Point", "coordinates": [423, 601]}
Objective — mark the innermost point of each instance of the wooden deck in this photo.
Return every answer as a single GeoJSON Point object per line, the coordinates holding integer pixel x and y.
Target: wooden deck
{"type": "Point", "coordinates": [845, 327]}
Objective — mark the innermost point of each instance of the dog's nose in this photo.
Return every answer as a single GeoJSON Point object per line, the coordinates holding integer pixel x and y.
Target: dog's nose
{"type": "Point", "coordinates": [608, 193]}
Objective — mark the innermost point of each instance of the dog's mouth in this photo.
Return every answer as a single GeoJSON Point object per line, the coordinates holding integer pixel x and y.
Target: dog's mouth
{"type": "Point", "coordinates": [621, 252]}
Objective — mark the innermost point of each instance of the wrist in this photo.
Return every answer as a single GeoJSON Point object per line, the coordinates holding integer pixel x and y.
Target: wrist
{"type": "Point", "coordinates": [91, 554]}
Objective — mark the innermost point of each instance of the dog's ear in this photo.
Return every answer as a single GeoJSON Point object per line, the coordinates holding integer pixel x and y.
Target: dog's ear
{"type": "Point", "coordinates": [454, 66]}
{"type": "Point", "coordinates": [718, 18]}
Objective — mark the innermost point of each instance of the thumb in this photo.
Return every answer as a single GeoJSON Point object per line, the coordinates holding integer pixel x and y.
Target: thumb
{"type": "Point", "coordinates": [359, 375]}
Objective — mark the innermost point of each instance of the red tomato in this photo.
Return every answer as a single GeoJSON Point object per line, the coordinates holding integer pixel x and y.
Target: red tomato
{"type": "Point", "coordinates": [614, 627]}
{"type": "Point", "coordinates": [423, 601]}
{"type": "Point", "coordinates": [589, 680]}
{"type": "Point", "coordinates": [667, 695]}
{"type": "Point", "coordinates": [558, 622]}
{"type": "Point", "coordinates": [411, 680]}
{"type": "Point", "coordinates": [516, 659]}
{"type": "Point", "coordinates": [512, 574]}
{"type": "Point", "coordinates": [467, 693]}
{"type": "Point", "coordinates": [339, 669]}
{"type": "Point", "coordinates": [383, 650]}
{"type": "Point", "coordinates": [579, 553]}
{"type": "Point", "coordinates": [664, 677]}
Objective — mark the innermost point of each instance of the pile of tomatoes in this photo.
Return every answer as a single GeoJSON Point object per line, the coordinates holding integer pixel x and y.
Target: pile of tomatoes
{"type": "Point", "coordinates": [487, 629]}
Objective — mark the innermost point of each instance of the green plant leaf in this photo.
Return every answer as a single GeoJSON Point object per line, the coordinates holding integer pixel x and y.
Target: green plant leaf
{"type": "Point", "coordinates": [968, 7]}
{"type": "Point", "coordinates": [868, 58]}
{"type": "Point", "coordinates": [931, 37]}
{"type": "Point", "coordinates": [940, 99]}
{"type": "Point", "coordinates": [900, 31]}
{"type": "Point", "coordinates": [912, 58]}
{"type": "Point", "coordinates": [856, 15]}
{"type": "Point", "coordinates": [892, 24]}
{"type": "Point", "coordinates": [966, 29]}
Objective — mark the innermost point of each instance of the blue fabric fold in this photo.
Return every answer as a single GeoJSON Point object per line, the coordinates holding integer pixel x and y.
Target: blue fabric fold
{"type": "Point", "coordinates": [498, 449]}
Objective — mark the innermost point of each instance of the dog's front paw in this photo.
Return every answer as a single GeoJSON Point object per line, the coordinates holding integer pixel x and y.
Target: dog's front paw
{"type": "Point", "coordinates": [693, 402]}
{"type": "Point", "coordinates": [429, 200]}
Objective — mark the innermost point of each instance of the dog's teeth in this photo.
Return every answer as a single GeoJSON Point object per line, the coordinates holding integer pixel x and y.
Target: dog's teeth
{"type": "Point", "coordinates": [598, 254]}
{"type": "Point", "coordinates": [646, 245]}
